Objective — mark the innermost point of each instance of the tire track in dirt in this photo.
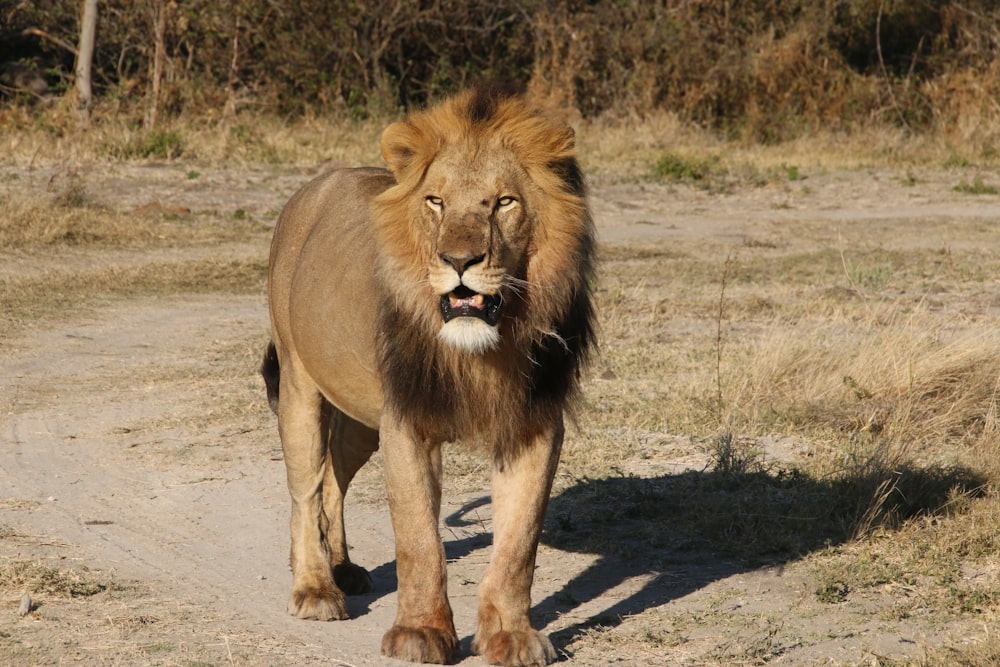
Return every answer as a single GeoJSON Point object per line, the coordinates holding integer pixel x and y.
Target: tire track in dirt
{"type": "Point", "coordinates": [200, 516]}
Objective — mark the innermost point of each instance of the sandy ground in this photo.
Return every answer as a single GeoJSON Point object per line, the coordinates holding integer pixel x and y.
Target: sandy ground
{"type": "Point", "coordinates": [124, 456]}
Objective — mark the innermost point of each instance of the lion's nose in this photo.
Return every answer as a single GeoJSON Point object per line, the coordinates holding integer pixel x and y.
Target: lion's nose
{"type": "Point", "coordinates": [461, 262]}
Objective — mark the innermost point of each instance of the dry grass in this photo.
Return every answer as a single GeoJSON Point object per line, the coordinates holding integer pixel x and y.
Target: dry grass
{"type": "Point", "coordinates": [804, 343]}
{"type": "Point", "coordinates": [19, 575]}
{"type": "Point", "coordinates": [70, 217]}
{"type": "Point", "coordinates": [52, 136]}
{"type": "Point", "coordinates": [613, 147]}
{"type": "Point", "coordinates": [895, 383]}
{"type": "Point", "coordinates": [624, 148]}
{"type": "Point", "coordinates": [984, 654]}
{"type": "Point", "coordinates": [59, 294]}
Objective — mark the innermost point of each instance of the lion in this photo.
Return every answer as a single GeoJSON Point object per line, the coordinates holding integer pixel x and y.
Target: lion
{"type": "Point", "coordinates": [445, 299]}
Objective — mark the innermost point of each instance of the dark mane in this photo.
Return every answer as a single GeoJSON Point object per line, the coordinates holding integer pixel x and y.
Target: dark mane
{"type": "Point", "coordinates": [571, 175]}
{"type": "Point", "coordinates": [487, 97]}
{"type": "Point", "coordinates": [499, 399]}
{"type": "Point", "coordinates": [503, 397]}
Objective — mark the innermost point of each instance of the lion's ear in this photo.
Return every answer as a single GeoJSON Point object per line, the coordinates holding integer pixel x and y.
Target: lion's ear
{"type": "Point", "coordinates": [569, 139]}
{"type": "Point", "coordinates": [400, 143]}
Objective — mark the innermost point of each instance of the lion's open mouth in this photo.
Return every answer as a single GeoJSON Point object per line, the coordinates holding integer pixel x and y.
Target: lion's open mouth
{"type": "Point", "coordinates": [463, 302]}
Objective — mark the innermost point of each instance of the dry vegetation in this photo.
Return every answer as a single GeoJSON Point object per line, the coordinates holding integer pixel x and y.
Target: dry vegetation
{"type": "Point", "coordinates": [182, 79]}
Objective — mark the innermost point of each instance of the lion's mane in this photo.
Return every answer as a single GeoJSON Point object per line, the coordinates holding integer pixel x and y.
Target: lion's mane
{"type": "Point", "coordinates": [506, 395]}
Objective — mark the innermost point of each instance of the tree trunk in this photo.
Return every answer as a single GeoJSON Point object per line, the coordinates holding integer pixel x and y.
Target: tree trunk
{"type": "Point", "coordinates": [231, 105]}
{"type": "Point", "coordinates": [84, 58]}
{"type": "Point", "coordinates": [159, 55]}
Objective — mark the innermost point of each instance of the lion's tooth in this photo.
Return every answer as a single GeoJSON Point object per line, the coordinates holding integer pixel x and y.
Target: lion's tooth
{"type": "Point", "coordinates": [477, 301]}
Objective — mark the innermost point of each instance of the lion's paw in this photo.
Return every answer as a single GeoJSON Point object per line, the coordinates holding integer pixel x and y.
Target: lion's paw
{"type": "Point", "coordinates": [352, 579]}
{"type": "Point", "coordinates": [517, 648]}
{"type": "Point", "coordinates": [320, 604]}
{"type": "Point", "coordinates": [423, 644]}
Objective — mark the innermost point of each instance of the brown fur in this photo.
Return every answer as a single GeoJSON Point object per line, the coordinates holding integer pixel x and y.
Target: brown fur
{"type": "Point", "coordinates": [483, 192]}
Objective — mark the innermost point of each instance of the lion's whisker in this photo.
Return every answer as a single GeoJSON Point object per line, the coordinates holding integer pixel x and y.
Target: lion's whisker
{"type": "Point", "coordinates": [518, 285]}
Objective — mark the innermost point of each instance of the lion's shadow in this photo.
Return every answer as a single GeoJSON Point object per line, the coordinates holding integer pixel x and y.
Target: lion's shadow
{"type": "Point", "coordinates": [664, 537]}
{"type": "Point", "coordinates": [661, 538]}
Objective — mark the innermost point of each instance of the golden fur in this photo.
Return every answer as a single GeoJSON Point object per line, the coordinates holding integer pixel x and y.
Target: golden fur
{"type": "Point", "coordinates": [447, 299]}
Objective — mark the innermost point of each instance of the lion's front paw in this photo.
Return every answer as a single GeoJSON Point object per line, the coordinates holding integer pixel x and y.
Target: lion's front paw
{"type": "Point", "coordinates": [422, 644]}
{"type": "Point", "coordinates": [326, 604]}
{"type": "Point", "coordinates": [352, 579]}
{"type": "Point", "coordinates": [517, 648]}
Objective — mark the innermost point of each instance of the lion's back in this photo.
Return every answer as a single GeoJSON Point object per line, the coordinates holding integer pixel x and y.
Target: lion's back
{"type": "Point", "coordinates": [339, 198]}
{"type": "Point", "coordinates": [322, 291]}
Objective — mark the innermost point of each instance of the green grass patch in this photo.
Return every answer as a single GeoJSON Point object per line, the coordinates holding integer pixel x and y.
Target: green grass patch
{"type": "Point", "coordinates": [976, 187]}
{"type": "Point", "coordinates": [162, 144]}
{"type": "Point", "coordinates": [676, 168]}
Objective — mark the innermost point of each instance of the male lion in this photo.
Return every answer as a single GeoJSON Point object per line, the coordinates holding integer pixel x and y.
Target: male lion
{"type": "Point", "coordinates": [446, 299]}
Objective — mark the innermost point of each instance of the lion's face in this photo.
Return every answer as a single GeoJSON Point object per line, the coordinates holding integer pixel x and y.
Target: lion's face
{"type": "Point", "coordinates": [485, 240]}
{"type": "Point", "coordinates": [478, 229]}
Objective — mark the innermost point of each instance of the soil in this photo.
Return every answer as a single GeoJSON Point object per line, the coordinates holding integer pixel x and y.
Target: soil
{"type": "Point", "coordinates": [136, 451]}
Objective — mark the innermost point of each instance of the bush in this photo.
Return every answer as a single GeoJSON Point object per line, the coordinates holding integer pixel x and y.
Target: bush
{"type": "Point", "coordinates": [760, 69]}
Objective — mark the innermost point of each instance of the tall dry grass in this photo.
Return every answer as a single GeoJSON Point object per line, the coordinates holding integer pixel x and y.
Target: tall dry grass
{"type": "Point", "coordinates": [613, 148]}
{"type": "Point", "coordinates": [52, 136]}
{"type": "Point", "coordinates": [892, 383]}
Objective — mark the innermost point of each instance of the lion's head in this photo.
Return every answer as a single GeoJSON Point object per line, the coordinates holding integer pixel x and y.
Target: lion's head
{"type": "Point", "coordinates": [486, 251]}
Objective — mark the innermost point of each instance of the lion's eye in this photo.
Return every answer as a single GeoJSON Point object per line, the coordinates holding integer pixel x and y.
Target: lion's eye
{"type": "Point", "coordinates": [436, 203]}
{"type": "Point", "coordinates": [505, 203]}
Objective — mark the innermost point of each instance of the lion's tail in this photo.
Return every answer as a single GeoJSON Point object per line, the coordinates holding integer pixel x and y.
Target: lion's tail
{"type": "Point", "coordinates": [271, 371]}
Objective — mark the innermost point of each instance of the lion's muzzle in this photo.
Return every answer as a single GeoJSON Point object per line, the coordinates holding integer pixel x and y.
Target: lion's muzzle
{"type": "Point", "coordinates": [464, 302]}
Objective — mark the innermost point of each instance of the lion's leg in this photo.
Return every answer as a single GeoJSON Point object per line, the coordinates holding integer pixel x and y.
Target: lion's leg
{"type": "Point", "coordinates": [314, 593]}
{"type": "Point", "coordinates": [350, 444]}
{"type": "Point", "coordinates": [424, 630]}
{"type": "Point", "coordinates": [521, 486]}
